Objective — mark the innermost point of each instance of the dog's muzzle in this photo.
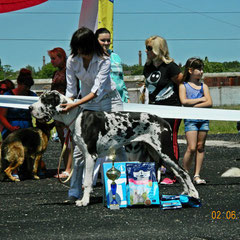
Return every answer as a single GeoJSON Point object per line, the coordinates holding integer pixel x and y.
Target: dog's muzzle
{"type": "Point", "coordinates": [30, 108]}
{"type": "Point", "coordinates": [43, 119]}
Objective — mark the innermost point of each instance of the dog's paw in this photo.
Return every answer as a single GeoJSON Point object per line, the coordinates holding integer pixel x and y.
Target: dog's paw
{"type": "Point", "coordinates": [194, 194]}
{"type": "Point", "coordinates": [184, 193]}
{"type": "Point", "coordinates": [82, 203]}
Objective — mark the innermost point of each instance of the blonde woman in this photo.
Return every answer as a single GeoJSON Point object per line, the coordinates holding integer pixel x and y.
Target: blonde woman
{"type": "Point", "coordinates": [163, 77]}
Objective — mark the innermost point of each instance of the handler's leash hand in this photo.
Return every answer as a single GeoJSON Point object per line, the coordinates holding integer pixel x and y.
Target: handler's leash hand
{"type": "Point", "coordinates": [67, 107]}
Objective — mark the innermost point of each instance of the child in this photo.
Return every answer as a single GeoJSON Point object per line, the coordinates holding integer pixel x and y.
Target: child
{"type": "Point", "coordinates": [193, 93]}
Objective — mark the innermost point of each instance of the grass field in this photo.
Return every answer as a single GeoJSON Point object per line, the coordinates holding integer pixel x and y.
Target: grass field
{"type": "Point", "coordinates": [218, 127]}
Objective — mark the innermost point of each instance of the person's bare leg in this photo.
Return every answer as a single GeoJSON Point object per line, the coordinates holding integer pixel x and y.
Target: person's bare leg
{"type": "Point", "coordinates": [202, 135]}
{"type": "Point", "coordinates": [191, 137]}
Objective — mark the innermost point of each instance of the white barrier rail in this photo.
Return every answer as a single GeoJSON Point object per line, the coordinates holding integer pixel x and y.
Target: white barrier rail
{"type": "Point", "coordinates": [185, 112]}
{"type": "Point", "coordinates": [162, 111]}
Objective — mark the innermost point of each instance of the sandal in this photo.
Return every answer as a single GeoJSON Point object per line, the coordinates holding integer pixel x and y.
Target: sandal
{"type": "Point", "coordinates": [62, 175]}
{"type": "Point", "coordinates": [197, 180]}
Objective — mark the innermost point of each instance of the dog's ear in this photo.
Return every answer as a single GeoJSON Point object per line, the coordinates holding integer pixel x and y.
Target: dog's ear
{"type": "Point", "coordinates": [56, 98]}
{"type": "Point", "coordinates": [51, 98]}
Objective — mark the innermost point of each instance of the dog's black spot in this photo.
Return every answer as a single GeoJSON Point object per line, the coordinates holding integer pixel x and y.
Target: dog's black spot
{"type": "Point", "coordinates": [125, 124]}
{"type": "Point", "coordinates": [154, 118]}
{"type": "Point", "coordinates": [93, 124]}
{"type": "Point", "coordinates": [52, 99]}
{"type": "Point", "coordinates": [119, 132]}
{"type": "Point", "coordinates": [130, 133]}
{"type": "Point", "coordinates": [146, 126]}
{"type": "Point", "coordinates": [135, 124]}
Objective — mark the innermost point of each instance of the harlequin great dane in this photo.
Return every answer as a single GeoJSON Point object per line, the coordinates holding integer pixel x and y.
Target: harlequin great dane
{"type": "Point", "coordinates": [95, 133]}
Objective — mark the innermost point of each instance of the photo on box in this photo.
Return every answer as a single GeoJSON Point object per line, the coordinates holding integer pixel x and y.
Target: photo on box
{"type": "Point", "coordinates": [142, 185]}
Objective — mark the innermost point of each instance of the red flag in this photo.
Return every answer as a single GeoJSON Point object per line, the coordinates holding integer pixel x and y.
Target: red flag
{"type": "Point", "coordinates": [13, 5]}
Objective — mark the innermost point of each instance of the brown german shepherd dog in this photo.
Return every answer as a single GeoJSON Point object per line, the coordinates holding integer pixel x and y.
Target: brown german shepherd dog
{"type": "Point", "coordinates": [24, 145]}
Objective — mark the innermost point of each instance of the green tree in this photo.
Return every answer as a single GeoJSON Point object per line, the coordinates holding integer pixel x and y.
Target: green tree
{"type": "Point", "coordinates": [213, 67]}
{"type": "Point", "coordinates": [46, 71]}
{"type": "Point", "coordinates": [233, 66]}
{"type": "Point", "coordinates": [1, 71]}
{"type": "Point", "coordinates": [132, 70]}
{"type": "Point", "coordinates": [32, 69]}
{"type": "Point", "coordinates": [6, 71]}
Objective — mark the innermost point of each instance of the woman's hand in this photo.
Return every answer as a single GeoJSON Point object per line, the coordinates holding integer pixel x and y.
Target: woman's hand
{"type": "Point", "coordinates": [67, 107]}
{"type": "Point", "coordinates": [14, 128]}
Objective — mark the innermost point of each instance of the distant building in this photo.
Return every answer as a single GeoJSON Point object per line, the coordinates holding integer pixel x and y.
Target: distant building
{"type": "Point", "coordinates": [222, 79]}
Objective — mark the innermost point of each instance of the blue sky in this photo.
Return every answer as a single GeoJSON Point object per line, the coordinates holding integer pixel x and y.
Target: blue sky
{"type": "Point", "coordinates": [192, 28]}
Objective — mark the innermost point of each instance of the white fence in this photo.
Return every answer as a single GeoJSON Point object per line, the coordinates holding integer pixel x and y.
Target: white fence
{"type": "Point", "coordinates": [229, 95]}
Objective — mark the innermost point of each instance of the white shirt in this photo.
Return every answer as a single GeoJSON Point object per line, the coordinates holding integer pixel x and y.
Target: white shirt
{"type": "Point", "coordinates": [95, 79]}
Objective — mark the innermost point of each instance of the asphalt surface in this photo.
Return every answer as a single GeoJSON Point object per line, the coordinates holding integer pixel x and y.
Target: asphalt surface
{"type": "Point", "coordinates": [34, 209]}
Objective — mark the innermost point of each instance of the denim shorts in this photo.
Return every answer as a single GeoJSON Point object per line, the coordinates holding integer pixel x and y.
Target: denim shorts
{"type": "Point", "coordinates": [196, 125]}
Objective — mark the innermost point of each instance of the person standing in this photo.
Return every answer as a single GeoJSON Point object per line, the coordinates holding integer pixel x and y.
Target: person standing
{"type": "Point", "coordinates": [90, 64]}
{"type": "Point", "coordinates": [194, 93]}
{"type": "Point", "coordinates": [162, 78]}
{"type": "Point", "coordinates": [58, 59]}
{"type": "Point", "coordinates": [104, 38]}
{"type": "Point", "coordinates": [5, 85]}
{"type": "Point", "coordinates": [116, 73]}
{"type": "Point", "coordinates": [16, 118]}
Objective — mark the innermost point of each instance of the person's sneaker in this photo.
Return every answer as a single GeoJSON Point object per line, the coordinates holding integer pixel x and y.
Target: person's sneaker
{"type": "Point", "coordinates": [71, 200]}
{"type": "Point", "coordinates": [167, 181]}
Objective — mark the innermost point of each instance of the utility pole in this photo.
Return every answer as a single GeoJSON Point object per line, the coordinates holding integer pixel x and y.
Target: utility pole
{"type": "Point", "coordinates": [140, 58]}
{"type": "Point", "coordinates": [44, 61]}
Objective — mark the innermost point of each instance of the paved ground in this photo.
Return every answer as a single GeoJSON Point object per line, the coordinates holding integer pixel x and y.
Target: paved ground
{"type": "Point", "coordinates": [34, 209]}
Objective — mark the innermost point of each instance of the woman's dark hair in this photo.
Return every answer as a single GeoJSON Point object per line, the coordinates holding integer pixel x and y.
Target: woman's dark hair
{"type": "Point", "coordinates": [25, 77]}
{"type": "Point", "coordinates": [85, 41]}
{"type": "Point", "coordinates": [8, 85]}
{"type": "Point", "coordinates": [194, 63]}
{"type": "Point", "coordinates": [101, 31]}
